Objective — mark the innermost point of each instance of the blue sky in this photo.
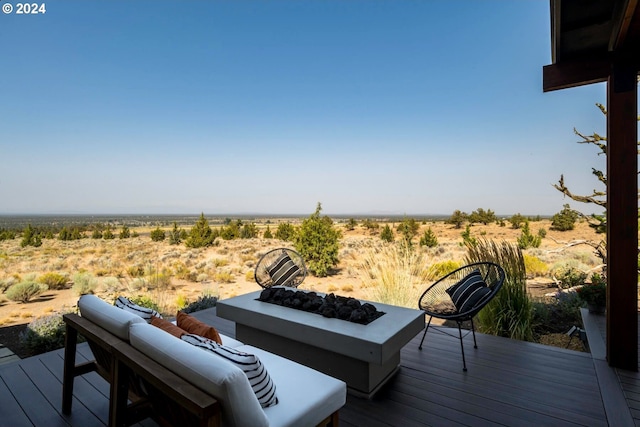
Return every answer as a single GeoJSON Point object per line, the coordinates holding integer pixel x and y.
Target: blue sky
{"type": "Point", "coordinates": [221, 107]}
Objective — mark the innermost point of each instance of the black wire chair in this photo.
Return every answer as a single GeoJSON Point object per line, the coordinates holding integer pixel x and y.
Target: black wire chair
{"type": "Point", "coordinates": [280, 267]}
{"type": "Point", "coordinates": [438, 300]}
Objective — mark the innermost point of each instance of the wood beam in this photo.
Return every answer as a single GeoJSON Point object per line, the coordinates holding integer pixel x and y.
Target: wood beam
{"type": "Point", "coordinates": [622, 15]}
{"type": "Point", "coordinates": [574, 73]}
{"type": "Point", "coordinates": [622, 217]}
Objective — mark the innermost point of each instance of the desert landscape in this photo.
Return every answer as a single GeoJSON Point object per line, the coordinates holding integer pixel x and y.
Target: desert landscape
{"type": "Point", "coordinates": [173, 275]}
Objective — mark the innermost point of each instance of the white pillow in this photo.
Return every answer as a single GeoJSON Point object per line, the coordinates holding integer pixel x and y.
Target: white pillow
{"type": "Point", "coordinates": [256, 373]}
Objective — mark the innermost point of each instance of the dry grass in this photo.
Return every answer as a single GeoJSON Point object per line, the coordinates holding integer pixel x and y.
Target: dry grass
{"type": "Point", "coordinates": [228, 267]}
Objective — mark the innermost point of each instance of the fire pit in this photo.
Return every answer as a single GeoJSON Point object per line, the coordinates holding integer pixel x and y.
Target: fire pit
{"type": "Point", "coordinates": [330, 305]}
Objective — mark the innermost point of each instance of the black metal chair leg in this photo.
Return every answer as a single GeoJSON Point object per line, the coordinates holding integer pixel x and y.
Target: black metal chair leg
{"type": "Point", "coordinates": [425, 332]}
{"type": "Point", "coordinates": [473, 330]}
{"type": "Point", "coordinates": [464, 362]}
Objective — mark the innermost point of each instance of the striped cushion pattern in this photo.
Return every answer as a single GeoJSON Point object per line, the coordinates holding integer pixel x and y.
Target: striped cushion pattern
{"type": "Point", "coordinates": [283, 270]}
{"type": "Point", "coordinates": [144, 312]}
{"type": "Point", "coordinates": [256, 373]}
{"type": "Point", "coordinates": [469, 291]}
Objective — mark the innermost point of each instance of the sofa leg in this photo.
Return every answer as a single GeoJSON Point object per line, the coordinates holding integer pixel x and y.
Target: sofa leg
{"type": "Point", "coordinates": [70, 343]}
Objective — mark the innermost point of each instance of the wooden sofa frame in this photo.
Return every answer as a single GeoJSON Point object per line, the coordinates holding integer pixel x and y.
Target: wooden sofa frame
{"type": "Point", "coordinates": [153, 390]}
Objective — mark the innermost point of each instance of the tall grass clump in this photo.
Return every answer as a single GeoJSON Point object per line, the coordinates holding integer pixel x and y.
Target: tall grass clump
{"type": "Point", "coordinates": [510, 312]}
{"type": "Point", "coordinates": [394, 275]}
{"type": "Point", "coordinates": [441, 269]}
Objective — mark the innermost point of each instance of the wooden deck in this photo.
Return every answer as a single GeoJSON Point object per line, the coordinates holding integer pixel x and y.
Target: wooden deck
{"type": "Point", "coordinates": [509, 383]}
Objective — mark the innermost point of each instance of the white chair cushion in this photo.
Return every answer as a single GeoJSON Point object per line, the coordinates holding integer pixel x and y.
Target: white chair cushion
{"type": "Point", "coordinates": [305, 396]}
{"type": "Point", "coordinates": [205, 370]}
{"type": "Point", "coordinates": [107, 316]}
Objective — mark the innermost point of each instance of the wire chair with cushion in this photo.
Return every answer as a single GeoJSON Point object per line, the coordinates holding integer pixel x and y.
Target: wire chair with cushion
{"type": "Point", "coordinates": [460, 295]}
{"type": "Point", "coordinates": [280, 267]}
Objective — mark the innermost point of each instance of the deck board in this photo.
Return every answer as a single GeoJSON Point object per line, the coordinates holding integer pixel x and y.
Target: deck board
{"type": "Point", "coordinates": [509, 383]}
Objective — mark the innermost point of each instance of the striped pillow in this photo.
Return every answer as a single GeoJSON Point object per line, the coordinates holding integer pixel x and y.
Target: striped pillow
{"type": "Point", "coordinates": [256, 373]}
{"type": "Point", "coordinates": [469, 291]}
{"type": "Point", "coordinates": [283, 270]}
{"type": "Point", "coordinates": [144, 312]}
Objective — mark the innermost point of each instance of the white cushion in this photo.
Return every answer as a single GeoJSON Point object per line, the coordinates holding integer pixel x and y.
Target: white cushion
{"type": "Point", "coordinates": [205, 370]}
{"type": "Point", "coordinates": [305, 396]}
{"type": "Point", "coordinates": [107, 316]}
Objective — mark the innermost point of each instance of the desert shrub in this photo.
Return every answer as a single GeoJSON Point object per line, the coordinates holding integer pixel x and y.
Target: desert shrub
{"type": "Point", "coordinates": [285, 231]}
{"type": "Point", "coordinates": [200, 234]}
{"type": "Point", "coordinates": [108, 234]}
{"type": "Point", "coordinates": [535, 266]}
{"type": "Point", "coordinates": [161, 280]}
{"type": "Point", "coordinates": [45, 334]}
{"type": "Point", "coordinates": [267, 233]}
{"type": "Point", "coordinates": [138, 283]}
{"type": "Point", "coordinates": [224, 277]}
{"type": "Point", "coordinates": [67, 234]}
{"type": "Point", "coordinates": [249, 231]}
{"type": "Point", "coordinates": [441, 269]}
{"type": "Point", "coordinates": [145, 301]}
{"type": "Point", "coordinates": [96, 234]}
{"type": "Point", "coordinates": [517, 221]}
{"type": "Point", "coordinates": [429, 239]}
{"type": "Point", "coordinates": [482, 216]}
{"type": "Point", "coordinates": [7, 283]}
{"type": "Point", "coordinates": [202, 303]}
{"type": "Point", "coordinates": [556, 315]}
{"type": "Point", "coordinates": [467, 238]}
{"type": "Point", "coordinates": [564, 220]}
{"type": "Point", "coordinates": [371, 226]}
{"type": "Point", "coordinates": [408, 228]}
{"type": "Point", "coordinates": [542, 233]}
{"type": "Point", "coordinates": [250, 276]}
{"type": "Point", "coordinates": [457, 218]}
{"type": "Point", "coordinates": [393, 274]}
{"type": "Point", "coordinates": [6, 234]}
{"type": "Point", "coordinates": [84, 283]}
{"type": "Point", "coordinates": [528, 240]}
{"type": "Point", "coordinates": [570, 277]}
{"type": "Point", "coordinates": [387, 234]}
{"type": "Point", "coordinates": [175, 235]}
{"type": "Point", "coordinates": [111, 284]}
{"type": "Point", "coordinates": [124, 233]}
{"type": "Point", "coordinates": [24, 291]}
{"type": "Point", "coordinates": [351, 224]}
{"type": "Point", "coordinates": [135, 271]}
{"type": "Point", "coordinates": [30, 237]}
{"type": "Point", "coordinates": [317, 242]}
{"type": "Point", "coordinates": [53, 280]}
{"type": "Point", "coordinates": [220, 262]}
{"type": "Point", "coordinates": [509, 314]}
{"type": "Point", "coordinates": [158, 234]}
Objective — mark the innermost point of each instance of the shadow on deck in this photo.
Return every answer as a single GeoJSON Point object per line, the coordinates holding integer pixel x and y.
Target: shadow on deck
{"type": "Point", "coordinates": [509, 383]}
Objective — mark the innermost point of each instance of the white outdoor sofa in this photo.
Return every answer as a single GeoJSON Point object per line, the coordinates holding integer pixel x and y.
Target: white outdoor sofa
{"type": "Point", "coordinates": [153, 373]}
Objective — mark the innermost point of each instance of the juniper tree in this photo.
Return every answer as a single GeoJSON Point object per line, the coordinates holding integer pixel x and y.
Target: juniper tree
{"type": "Point", "coordinates": [200, 234]}
{"type": "Point", "coordinates": [317, 242]}
{"type": "Point", "coordinates": [386, 234]}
